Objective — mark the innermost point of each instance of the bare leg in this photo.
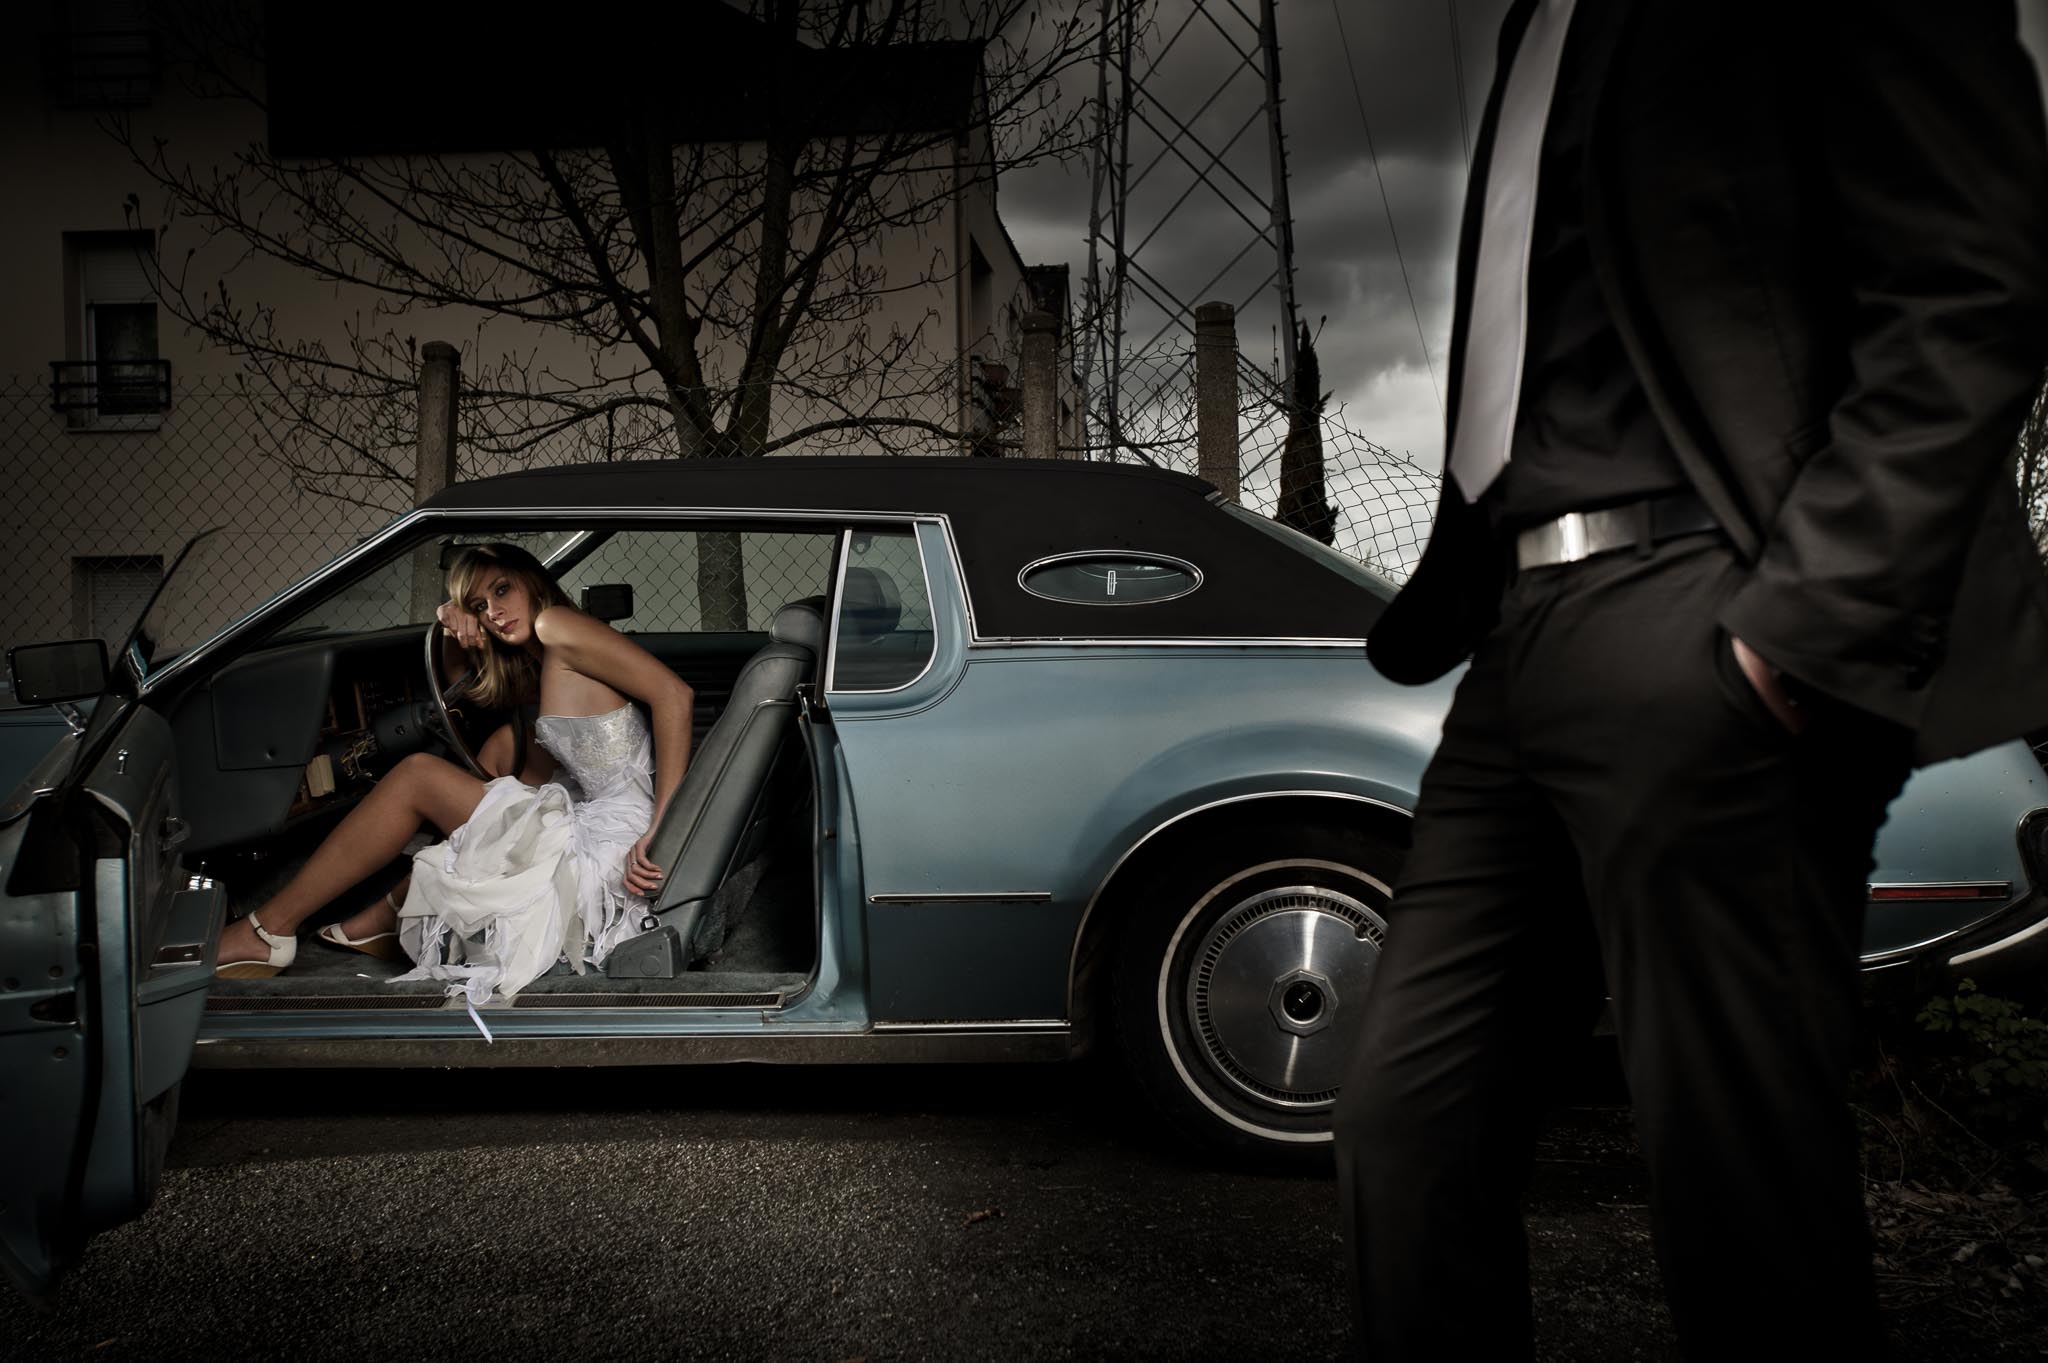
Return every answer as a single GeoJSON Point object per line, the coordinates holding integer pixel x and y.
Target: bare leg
{"type": "Point", "coordinates": [377, 917]}
{"type": "Point", "coordinates": [419, 789]}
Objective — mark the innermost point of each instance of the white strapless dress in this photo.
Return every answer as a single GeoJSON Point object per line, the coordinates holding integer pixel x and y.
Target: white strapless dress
{"type": "Point", "coordinates": [537, 874]}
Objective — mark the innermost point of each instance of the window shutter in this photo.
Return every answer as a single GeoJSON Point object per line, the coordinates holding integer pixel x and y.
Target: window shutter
{"type": "Point", "coordinates": [114, 272]}
{"type": "Point", "coordinates": [115, 591]}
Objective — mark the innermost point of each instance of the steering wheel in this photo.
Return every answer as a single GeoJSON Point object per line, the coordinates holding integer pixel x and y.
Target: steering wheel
{"type": "Point", "coordinates": [441, 720]}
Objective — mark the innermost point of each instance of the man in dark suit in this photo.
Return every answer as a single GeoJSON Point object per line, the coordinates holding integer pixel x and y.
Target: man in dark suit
{"type": "Point", "coordinates": [1751, 302]}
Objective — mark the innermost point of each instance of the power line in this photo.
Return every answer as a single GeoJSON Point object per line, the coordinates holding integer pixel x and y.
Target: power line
{"type": "Point", "coordinates": [1366, 123]}
{"type": "Point", "coordinates": [1458, 71]}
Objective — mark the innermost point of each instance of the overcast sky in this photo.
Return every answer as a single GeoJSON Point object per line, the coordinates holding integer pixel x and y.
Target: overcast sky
{"type": "Point", "coordinates": [1347, 271]}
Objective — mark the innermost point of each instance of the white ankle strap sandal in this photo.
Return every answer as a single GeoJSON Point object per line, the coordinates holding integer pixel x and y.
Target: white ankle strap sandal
{"type": "Point", "coordinates": [283, 951]}
{"type": "Point", "coordinates": [383, 945]}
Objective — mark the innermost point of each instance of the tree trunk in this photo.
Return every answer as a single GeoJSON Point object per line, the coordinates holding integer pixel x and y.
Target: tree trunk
{"type": "Point", "coordinates": [1303, 505]}
{"type": "Point", "coordinates": [721, 566]}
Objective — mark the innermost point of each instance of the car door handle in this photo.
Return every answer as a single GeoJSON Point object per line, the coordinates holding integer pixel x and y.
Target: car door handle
{"type": "Point", "coordinates": [172, 831]}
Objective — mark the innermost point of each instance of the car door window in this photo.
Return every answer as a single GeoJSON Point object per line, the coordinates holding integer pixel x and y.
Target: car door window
{"type": "Point", "coordinates": [691, 581]}
{"type": "Point", "coordinates": [404, 590]}
{"type": "Point", "coordinates": [883, 637]}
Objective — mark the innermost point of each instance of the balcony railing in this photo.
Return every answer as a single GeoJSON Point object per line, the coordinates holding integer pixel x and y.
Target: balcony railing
{"type": "Point", "coordinates": [115, 388]}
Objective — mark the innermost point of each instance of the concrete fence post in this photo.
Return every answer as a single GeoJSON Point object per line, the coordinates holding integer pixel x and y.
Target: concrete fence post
{"type": "Point", "coordinates": [1216, 396]}
{"type": "Point", "coordinates": [440, 373]}
{"type": "Point", "coordinates": [434, 462]}
{"type": "Point", "coordinates": [1041, 386]}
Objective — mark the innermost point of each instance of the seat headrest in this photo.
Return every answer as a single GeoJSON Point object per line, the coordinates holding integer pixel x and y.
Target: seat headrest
{"type": "Point", "coordinates": [870, 605]}
{"type": "Point", "coordinates": [800, 623]}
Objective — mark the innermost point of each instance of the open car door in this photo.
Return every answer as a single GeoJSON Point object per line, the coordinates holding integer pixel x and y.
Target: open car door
{"type": "Point", "coordinates": [106, 952]}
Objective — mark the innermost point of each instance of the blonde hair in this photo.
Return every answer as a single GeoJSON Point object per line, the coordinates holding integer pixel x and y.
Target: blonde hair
{"type": "Point", "coordinates": [506, 676]}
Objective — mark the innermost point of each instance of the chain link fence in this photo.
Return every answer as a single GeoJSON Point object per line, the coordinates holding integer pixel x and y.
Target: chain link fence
{"type": "Point", "coordinates": [95, 513]}
{"type": "Point", "coordinates": [98, 506]}
{"type": "Point", "coordinates": [1372, 504]}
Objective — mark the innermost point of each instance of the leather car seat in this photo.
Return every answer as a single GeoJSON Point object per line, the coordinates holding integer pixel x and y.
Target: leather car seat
{"type": "Point", "coordinates": [870, 637]}
{"type": "Point", "coordinates": [723, 787]}
{"type": "Point", "coordinates": [870, 606]}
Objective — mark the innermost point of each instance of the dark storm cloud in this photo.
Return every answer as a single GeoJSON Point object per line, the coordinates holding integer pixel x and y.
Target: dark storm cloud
{"type": "Point", "coordinates": [1348, 278]}
{"type": "Point", "coordinates": [1348, 275]}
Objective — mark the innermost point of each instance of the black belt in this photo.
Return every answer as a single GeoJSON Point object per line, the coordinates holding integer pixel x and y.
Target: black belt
{"type": "Point", "coordinates": [1581, 534]}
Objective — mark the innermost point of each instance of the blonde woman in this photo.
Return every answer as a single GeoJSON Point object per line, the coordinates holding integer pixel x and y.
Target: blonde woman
{"type": "Point", "coordinates": [546, 863]}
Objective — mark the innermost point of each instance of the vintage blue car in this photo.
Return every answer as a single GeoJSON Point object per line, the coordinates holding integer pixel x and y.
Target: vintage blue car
{"type": "Point", "coordinates": [993, 759]}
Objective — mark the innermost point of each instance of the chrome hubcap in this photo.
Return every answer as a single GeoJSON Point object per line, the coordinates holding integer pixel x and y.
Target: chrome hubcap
{"type": "Point", "coordinates": [1275, 988]}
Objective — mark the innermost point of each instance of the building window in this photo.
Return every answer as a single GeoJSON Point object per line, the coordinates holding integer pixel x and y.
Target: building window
{"type": "Point", "coordinates": [103, 55]}
{"type": "Point", "coordinates": [108, 594]}
{"type": "Point", "coordinates": [115, 380]}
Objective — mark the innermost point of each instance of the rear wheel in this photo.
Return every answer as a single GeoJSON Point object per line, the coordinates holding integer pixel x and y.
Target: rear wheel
{"type": "Point", "coordinates": [1240, 979]}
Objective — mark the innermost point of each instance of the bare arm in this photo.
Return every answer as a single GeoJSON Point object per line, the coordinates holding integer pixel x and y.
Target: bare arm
{"type": "Point", "coordinates": [462, 641]}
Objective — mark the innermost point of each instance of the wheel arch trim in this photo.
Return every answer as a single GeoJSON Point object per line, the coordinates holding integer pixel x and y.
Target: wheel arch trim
{"type": "Point", "coordinates": [1151, 836]}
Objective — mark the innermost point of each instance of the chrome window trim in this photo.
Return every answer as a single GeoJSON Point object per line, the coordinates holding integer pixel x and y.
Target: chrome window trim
{"type": "Point", "coordinates": [408, 525]}
{"type": "Point", "coordinates": [1094, 899]}
{"type": "Point", "coordinates": [832, 687]}
{"type": "Point", "coordinates": [1136, 555]}
{"type": "Point", "coordinates": [577, 539]}
{"type": "Point", "coordinates": [665, 513]}
{"type": "Point", "coordinates": [945, 524]}
{"type": "Point", "coordinates": [838, 595]}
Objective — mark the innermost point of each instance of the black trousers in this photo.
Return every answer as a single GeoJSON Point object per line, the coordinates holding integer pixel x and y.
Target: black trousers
{"type": "Point", "coordinates": [1612, 803]}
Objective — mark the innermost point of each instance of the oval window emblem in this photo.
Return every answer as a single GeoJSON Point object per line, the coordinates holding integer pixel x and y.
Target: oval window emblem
{"type": "Point", "coordinates": [1110, 579]}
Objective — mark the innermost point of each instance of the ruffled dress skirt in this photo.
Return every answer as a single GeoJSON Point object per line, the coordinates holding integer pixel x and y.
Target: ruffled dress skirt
{"type": "Point", "coordinates": [536, 876]}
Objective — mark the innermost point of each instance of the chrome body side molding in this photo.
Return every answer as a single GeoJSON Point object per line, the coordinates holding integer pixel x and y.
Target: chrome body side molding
{"type": "Point", "coordinates": [902, 1043]}
{"type": "Point", "coordinates": [973, 897]}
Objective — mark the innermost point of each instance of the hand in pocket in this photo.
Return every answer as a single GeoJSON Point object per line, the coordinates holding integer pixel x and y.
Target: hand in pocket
{"type": "Point", "coordinates": [1764, 680]}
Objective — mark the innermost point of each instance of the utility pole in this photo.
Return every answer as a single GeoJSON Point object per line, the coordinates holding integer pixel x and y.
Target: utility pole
{"type": "Point", "coordinates": [1153, 165]}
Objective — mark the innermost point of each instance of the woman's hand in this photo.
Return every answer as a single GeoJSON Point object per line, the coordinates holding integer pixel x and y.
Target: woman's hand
{"type": "Point", "coordinates": [643, 877]}
{"type": "Point", "coordinates": [460, 625]}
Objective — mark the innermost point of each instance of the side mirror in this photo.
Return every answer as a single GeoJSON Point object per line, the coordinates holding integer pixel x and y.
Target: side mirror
{"type": "Point", "coordinates": [46, 674]}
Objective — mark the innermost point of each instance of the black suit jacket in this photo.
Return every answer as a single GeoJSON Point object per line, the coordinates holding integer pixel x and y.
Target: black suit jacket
{"type": "Point", "coordinates": [1822, 231]}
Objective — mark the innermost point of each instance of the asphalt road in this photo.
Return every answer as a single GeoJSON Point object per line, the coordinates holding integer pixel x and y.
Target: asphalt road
{"type": "Point", "coordinates": [758, 1212]}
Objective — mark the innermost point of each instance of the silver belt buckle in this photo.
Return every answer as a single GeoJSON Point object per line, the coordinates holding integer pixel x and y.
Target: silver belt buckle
{"type": "Point", "coordinates": [1573, 536]}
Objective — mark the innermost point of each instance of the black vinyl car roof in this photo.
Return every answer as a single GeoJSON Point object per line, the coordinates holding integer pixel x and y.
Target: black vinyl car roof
{"type": "Point", "coordinates": [1006, 513]}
